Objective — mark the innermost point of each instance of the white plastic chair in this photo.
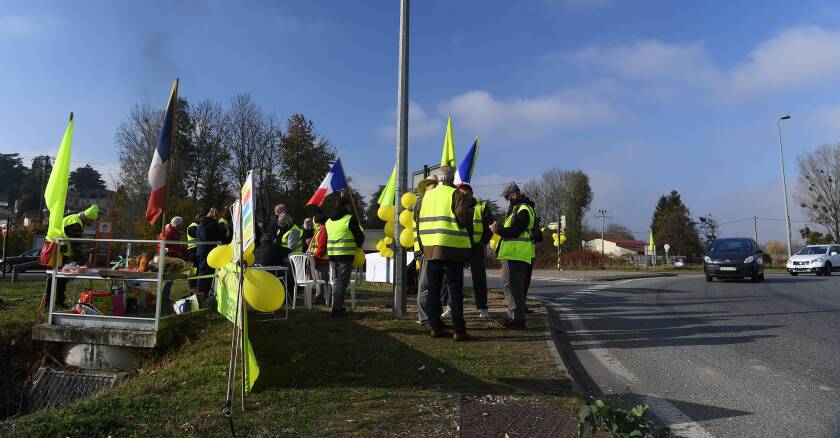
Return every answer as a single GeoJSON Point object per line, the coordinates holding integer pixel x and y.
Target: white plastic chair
{"type": "Point", "coordinates": [303, 264]}
{"type": "Point", "coordinates": [352, 286]}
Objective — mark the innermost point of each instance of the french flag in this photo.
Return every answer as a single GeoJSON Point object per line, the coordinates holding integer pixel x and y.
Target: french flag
{"type": "Point", "coordinates": [464, 172]}
{"type": "Point", "coordinates": [160, 161]}
{"type": "Point", "coordinates": [334, 181]}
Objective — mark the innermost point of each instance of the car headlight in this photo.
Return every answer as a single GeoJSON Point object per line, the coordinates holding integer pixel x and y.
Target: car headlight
{"type": "Point", "coordinates": [816, 261]}
{"type": "Point", "coordinates": [707, 259]}
{"type": "Point", "coordinates": [749, 259]}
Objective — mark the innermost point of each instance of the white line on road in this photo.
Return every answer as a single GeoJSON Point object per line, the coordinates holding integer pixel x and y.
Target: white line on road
{"type": "Point", "coordinates": [680, 423]}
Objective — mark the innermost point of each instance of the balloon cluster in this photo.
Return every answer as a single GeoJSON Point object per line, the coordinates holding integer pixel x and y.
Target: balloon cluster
{"type": "Point", "coordinates": [263, 291]}
{"type": "Point", "coordinates": [559, 239]}
{"type": "Point", "coordinates": [387, 213]}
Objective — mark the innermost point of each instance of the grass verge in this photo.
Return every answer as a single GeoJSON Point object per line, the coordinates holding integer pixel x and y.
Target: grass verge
{"type": "Point", "coordinates": [367, 374]}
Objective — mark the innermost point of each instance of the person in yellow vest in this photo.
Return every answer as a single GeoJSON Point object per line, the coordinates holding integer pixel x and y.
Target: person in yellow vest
{"type": "Point", "coordinates": [422, 286]}
{"type": "Point", "coordinates": [344, 237]}
{"type": "Point", "coordinates": [482, 218]}
{"type": "Point", "coordinates": [443, 232]}
{"type": "Point", "coordinates": [73, 226]}
{"type": "Point", "coordinates": [516, 251]}
{"type": "Point", "coordinates": [192, 234]}
{"type": "Point", "coordinates": [292, 240]}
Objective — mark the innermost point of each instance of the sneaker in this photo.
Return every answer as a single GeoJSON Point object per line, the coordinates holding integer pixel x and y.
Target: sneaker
{"type": "Point", "coordinates": [446, 312]}
{"type": "Point", "coordinates": [483, 314]}
{"type": "Point", "coordinates": [460, 336]}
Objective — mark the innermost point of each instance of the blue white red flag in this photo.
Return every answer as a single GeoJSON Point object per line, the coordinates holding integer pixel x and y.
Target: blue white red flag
{"type": "Point", "coordinates": [160, 160]}
{"type": "Point", "coordinates": [463, 174]}
{"type": "Point", "coordinates": [334, 181]}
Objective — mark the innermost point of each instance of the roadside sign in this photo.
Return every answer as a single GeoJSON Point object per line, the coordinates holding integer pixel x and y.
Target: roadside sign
{"type": "Point", "coordinates": [104, 227]}
{"type": "Point", "coordinates": [243, 211]}
{"type": "Point", "coordinates": [3, 229]}
{"type": "Point", "coordinates": [552, 225]}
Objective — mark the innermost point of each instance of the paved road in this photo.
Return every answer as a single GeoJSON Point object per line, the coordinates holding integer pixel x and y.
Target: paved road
{"type": "Point", "coordinates": [712, 359]}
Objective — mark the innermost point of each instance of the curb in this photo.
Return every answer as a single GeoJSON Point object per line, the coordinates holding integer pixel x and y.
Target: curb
{"type": "Point", "coordinates": [610, 277]}
{"type": "Point", "coordinates": [553, 343]}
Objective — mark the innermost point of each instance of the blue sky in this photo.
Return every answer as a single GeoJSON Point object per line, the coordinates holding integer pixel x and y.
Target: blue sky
{"type": "Point", "coordinates": [645, 97]}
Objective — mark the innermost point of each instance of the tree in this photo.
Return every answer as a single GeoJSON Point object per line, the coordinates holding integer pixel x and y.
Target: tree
{"type": "Point", "coordinates": [306, 159]}
{"type": "Point", "coordinates": [562, 192]}
{"type": "Point", "coordinates": [86, 178]}
{"type": "Point", "coordinates": [618, 231]}
{"type": "Point", "coordinates": [207, 180]}
{"type": "Point", "coordinates": [774, 248]}
{"type": "Point", "coordinates": [819, 187]}
{"type": "Point", "coordinates": [707, 228]}
{"type": "Point", "coordinates": [813, 237]}
{"type": "Point", "coordinates": [12, 172]}
{"type": "Point", "coordinates": [672, 224]}
{"type": "Point", "coordinates": [373, 222]}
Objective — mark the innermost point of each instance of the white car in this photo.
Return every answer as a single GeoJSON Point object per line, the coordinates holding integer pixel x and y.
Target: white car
{"type": "Point", "coordinates": [817, 259]}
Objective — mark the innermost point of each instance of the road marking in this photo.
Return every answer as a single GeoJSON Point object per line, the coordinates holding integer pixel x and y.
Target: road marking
{"type": "Point", "coordinates": [681, 424]}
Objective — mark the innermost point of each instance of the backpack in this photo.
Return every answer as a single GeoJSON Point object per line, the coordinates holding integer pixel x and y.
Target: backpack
{"type": "Point", "coordinates": [536, 232]}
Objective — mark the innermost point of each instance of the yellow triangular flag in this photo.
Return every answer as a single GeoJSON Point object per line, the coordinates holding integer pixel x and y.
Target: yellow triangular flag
{"type": "Point", "coordinates": [448, 157]}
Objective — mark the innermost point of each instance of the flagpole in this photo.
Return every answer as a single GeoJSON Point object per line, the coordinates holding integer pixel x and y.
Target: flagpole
{"type": "Point", "coordinates": [402, 161]}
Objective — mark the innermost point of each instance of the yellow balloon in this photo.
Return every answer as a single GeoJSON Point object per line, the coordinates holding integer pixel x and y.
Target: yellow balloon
{"type": "Point", "coordinates": [380, 245]}
{"type": "Point", "coordinates": [220, 256]}
{"type": "Point", "coordinates": [383, 252]}
{"type": "Point", "coordinates": [562, 238]}
{"type": "Point", "coordinates": [386, 213]}
{"type": "Point", "coordinates": [388, 240]}
{"type": "Point", "coordinates": [406, 219]}
{"type": "Point", "coordinates": [555, 236]}
{"type": "Point", "coordinates": [408, 199]}
{"type": "Point", "coordinates": [263, 291]}
{"type": "Point", "coordinates": [389, 253]}
{"type": "Point", "coordinates": [389, 229]}
{"type": "Point", "coordinates": [407, 238]}
{"type": "Point", "coordinates": [249, 257]}
{"type": "Point", "coordinates": [359, 258]}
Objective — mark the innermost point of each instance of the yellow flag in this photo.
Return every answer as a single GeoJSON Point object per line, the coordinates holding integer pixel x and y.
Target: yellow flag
{"type": "Point", "coordinates": [448, 157]}
{"type": "Point", "coordinates": [651, 245]}
{"type": "Point", "coordinates": [55, 194]}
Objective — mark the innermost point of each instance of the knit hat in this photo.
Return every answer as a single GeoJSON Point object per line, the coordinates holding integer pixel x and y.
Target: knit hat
{"type": "Point", "coordinates": [510, 188]}
{"type": "Point", "coordinates": [177, 220]}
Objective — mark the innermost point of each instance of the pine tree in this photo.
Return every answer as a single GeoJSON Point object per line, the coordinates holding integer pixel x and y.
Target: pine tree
{"type": "Point", "coordinates": [306, 158]}
{"type": "Point", "coordinates": [672, 224]}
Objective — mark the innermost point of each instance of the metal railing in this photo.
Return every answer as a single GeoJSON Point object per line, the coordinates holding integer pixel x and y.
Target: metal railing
{"type": "Point", "coordinates": [114, 321]}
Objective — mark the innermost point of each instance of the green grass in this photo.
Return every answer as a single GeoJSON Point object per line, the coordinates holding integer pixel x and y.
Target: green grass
{"type": "Point", "coordinates": [368, 374]}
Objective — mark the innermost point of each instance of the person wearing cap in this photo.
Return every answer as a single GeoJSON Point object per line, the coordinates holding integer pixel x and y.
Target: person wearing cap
{"type": "Point", "coordinates": [73, 227]}
{"type": "Point", "coordinates": [480, 237]}
{"type": "Point", "coordinates": [516, 251]}
{"type": "Point", "coordinates": [344, 238]}
{"type": "Point", "coordinates": [172, 232]}
{"type": "Point", "coordinates": [306, 234]}
{"type": "Point", "coordinates": [422, 286]}
{"type": "Point", "coordinates": [443, 233]}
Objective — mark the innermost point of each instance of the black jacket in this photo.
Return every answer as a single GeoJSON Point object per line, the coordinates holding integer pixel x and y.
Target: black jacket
{"type": "Point", "coordinates": [208, 230]}
{"type": "Point", "coordinates": [520, 222]}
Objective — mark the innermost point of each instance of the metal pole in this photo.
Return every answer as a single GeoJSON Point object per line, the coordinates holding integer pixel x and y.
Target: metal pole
{"type": "Point", "coordinates": [755, 229]}
{"type": "Point", "coordinates": [402, 159]}
{"type": "Point", "coordinates": [784, 183]}
{"type": "Point", "coordinates": [603, 219]}
{"type": "Point", "coordinates": [559, 230]}
{"type": "Point", "coordinates": [41, 198]}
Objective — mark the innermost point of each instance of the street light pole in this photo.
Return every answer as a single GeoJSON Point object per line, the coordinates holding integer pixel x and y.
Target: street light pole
{"type": "Point", "coordinates": [402, 162]}
{"type": "Point", "coordinates": [784, 183]}
{"type": "Point", "coordinates": [603, 216]}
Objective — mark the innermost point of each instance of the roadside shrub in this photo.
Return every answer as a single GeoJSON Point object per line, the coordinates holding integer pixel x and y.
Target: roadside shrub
{"type": "Point", "coordinates": [600, 417]}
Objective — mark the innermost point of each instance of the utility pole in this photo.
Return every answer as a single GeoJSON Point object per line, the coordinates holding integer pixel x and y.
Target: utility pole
{"type": "Point", "coordinates": [602, 214]}
{"type": "Point", "coordinates": [755, 229]}
{"type": "Point", "coordinates": [41, 197]}
{"type": "Point", "coordinates": [784, 182]}
{"type": "Point", "coordinates": [402, 161]}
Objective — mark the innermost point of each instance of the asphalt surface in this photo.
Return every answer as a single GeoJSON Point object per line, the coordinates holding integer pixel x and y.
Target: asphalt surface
{"type": "Point", "coordinates": [720, 359]}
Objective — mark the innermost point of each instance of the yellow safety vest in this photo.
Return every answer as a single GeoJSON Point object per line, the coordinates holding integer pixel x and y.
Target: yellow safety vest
{"type": "Point", "coordinates": [285, 240]}
{"type": "Point", "coordinates": [438, 225]}
{"type": "Point", "coordinates": [340, 240]}
{"type": "Point", "coordinates": [313, 246]}
{"type": "Point", "coordinates": [190, 238]}
{"type": "Point", "coordinates": [519, 248]}
{"type": "Point", "coordinates": [66, 222]}
{"type": "Point", "coordinates": [478, 224]}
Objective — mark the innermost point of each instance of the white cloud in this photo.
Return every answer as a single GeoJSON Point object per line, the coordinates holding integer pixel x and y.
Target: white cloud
{"type": "Point", "coordinates": [420, 124]}
{"type": "Point", "coordinates": [797, 57]}
{"type": "Point", "coordinates": [480, 111]}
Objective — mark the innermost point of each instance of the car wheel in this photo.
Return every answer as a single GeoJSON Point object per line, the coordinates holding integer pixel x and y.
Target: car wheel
{"type": "Point", "coordinates": [709, 278]}
{"type": "Point", "coordinates": [761, 277]}
{"type": "Point", "coordinates": [827, 271]}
